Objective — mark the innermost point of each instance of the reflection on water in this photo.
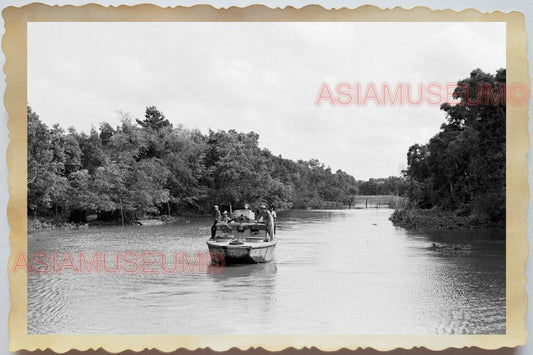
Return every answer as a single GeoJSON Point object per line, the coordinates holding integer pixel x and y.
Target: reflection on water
{"type": "Point", "coordinates": [349, 272]}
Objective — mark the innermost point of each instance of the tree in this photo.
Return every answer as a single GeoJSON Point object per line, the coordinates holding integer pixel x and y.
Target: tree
{"type": "Point", "coordinates": [82, 197]}
{"type": "Point", "coordinates": [463, 165]}
{"type": "Point", "coordinates": [239, 170]}
{"type": "Point", "coordinates": [106, 132]}
{"type": "Point", "coordinates": [110, 184]}
{"type": "Point", "coordinates": [92, 153]}
{"type": "Point", "coordinates": [184, 158]}
{"type": "Point", "coordinates": [153, 119]}
{"type": "Point", "coordinates": [47, 185]}
{"type": "Point", "coordinates": [151, 167]}
{"type": "Point", "coordinates": [146, 186]}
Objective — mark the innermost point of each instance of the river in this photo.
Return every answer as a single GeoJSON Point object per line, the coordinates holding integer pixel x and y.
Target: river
{"type": "Point", "coordinates": [335, 272]}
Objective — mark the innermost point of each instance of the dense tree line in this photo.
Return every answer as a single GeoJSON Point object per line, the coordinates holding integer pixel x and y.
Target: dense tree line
{"type": "Point", "coordinates": [147, 166]}
{"type": "Point", "coordinates": [462, 168]}
{"type": "Point", "coordinates": [393, 185]}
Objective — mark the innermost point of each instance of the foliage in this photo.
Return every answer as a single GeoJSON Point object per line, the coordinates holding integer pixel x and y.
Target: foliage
{"type": "Point", "coordinates": [393, 185]}
{"type": "Point", "coordinates": [154, 119]}
{"type": "Point", "coordinates": [438, 219]}
{"type": "Point", "coordinates": [463, 166]}
{"type": "Point", "coordinates": [150, 167]}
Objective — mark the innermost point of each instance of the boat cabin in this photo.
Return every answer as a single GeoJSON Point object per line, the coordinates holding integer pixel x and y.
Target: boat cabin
{"type": "Point", "coordinates": [243, 216]}
{"type": "Point", "coordinates": [248, 232]}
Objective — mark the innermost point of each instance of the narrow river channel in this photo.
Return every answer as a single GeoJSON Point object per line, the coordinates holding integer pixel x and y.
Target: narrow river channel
{"type": "Point", "coordinates": [335, 272]}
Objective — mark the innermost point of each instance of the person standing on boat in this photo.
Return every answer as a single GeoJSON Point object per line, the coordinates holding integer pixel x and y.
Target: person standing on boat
{"type": "Point", "coordinates": [274, 217]}
{"type": "Point", "coordinates": [218, 218]}
{"type": "Point", "coordinates": [267, 218]}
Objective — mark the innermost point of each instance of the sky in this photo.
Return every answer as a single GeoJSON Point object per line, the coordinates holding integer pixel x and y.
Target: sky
{"type": "Point", "coordinates": [262, 77]}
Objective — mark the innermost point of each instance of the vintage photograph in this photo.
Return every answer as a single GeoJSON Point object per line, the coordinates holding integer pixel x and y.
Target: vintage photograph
{"type": "Point", "coordinates": [266, 178]}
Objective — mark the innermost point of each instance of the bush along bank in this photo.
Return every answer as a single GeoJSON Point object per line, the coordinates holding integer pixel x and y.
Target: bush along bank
{"type": "Point", "coordinates": [438, 219]}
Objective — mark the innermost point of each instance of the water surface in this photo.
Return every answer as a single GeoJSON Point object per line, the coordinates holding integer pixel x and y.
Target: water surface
{"type": "Point", "coordinates": [346, 271]}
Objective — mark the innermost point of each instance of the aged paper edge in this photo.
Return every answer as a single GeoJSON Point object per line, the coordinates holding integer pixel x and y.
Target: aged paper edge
{"type": "Point", "coordinates": [14, 45]}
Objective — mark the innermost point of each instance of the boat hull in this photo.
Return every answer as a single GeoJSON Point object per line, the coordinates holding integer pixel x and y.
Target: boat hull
{"type": "Point", "coordinates": [246, 253]}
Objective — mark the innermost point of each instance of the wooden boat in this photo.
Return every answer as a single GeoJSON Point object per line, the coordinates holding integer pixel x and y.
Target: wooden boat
{"type": "Point", "coordinates": [241, 241]}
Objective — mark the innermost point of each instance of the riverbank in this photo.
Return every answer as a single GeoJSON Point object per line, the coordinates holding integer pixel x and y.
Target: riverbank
{"type": "Point", "coordinates": [436, 219]}
{"type": "Point", "coordinates": [37, 224]}
{"type": "Point", "coordinates": [359, 202]}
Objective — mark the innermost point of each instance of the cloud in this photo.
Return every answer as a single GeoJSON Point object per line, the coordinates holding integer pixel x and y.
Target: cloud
{"type": "Point", "coordinates": [258, 76]}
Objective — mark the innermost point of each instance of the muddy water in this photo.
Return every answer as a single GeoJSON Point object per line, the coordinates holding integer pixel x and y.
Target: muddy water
{"type": "Point", "coordinates": [348, 271]}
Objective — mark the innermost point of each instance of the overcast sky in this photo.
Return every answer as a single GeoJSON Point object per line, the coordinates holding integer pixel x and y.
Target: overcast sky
{"type": "Point", "coordinates": [262, 77]}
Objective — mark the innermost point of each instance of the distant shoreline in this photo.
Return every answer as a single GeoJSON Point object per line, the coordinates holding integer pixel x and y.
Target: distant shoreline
{"type": "Point", "coordinates": [360, 202]}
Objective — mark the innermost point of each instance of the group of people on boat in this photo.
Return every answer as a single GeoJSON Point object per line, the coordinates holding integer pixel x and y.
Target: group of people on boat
{"type": "Point", "coordinates": [265, 215]}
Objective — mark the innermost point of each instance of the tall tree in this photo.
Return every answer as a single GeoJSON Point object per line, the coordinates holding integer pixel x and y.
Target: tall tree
{"type": "Point", "coordinates": [154, 119]}
{"type": "Point", "coordinates": [463, 165]}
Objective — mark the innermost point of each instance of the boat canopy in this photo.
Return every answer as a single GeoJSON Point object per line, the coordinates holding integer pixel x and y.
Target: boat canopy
{"type": "Point", "coordinates": [244, 215]}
